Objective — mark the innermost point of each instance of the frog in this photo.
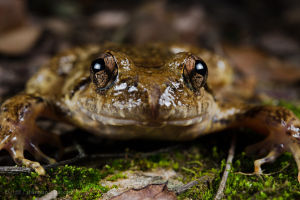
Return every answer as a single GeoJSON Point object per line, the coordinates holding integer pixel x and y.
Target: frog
{"type": "Point", "coordinates": [151, 91]}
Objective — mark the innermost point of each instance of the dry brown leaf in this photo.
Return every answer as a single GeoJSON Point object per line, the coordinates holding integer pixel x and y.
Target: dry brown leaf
{"type": "Point", "coordinates": [20, 40]}
{"type": "Point", "coordinates": [150, 192]}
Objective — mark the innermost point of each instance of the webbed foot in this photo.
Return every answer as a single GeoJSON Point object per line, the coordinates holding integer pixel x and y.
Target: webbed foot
{"type": "Point", "coordinates": [19, 132]}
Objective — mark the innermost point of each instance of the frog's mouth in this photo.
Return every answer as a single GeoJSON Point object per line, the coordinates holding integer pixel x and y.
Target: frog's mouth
{"type": "Point", "coordinates": [113, 121]}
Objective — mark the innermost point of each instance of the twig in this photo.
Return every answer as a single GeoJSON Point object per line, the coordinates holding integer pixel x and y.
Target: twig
{"type": "Point", "coordinates": [245, 174]}
{"type": "Point", "coordinates": [187, 186]}
{"type": "Point", "coordinates": [191, 184]}
{"type": "Point", "coordinates": [278, 171]}
{"type": "Point", "coordinates": [65, 162]}
{"type": "Point", "coordinates": [14, 170]}
{"type": "Point", "coordinates": [222, 185]}
{"type": "Point", "coordinates": [253, 173]}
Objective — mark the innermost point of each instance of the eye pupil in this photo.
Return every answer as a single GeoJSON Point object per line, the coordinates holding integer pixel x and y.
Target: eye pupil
{"type": "Point", "coordinates": [201, 67]}
{"type": "Point", "coordinates": [98, 65]}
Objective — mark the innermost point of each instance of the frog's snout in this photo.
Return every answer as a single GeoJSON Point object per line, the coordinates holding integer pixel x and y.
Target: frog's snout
{"type": "Point", "coordinates": [154, 94]}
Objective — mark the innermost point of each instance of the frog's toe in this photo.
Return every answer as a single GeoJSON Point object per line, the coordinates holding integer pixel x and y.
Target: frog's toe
{"type": "Point", "coordinates": [39, 155]}
{"type": "Point", "coordinates": [271, 157]}
{"type": "Point", "coordinates": [18, 156]}
{"type": "Point", "coordinates": [267, 146]}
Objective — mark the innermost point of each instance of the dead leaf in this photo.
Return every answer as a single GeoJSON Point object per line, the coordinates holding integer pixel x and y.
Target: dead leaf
{"type": "Point", "coordinates": [150, 192]}
{"type": "Point", "coordinates": [141, 179]}
{"type": "Point", "coordinates": [19, 41]}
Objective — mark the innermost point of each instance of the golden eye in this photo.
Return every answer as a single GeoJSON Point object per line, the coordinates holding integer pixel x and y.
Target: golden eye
{"type": "Point", "coordinates": [103, 71]}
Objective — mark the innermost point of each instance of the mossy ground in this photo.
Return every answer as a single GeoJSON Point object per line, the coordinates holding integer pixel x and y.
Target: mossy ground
{"type": "Point", "coordinates": [202, 159]}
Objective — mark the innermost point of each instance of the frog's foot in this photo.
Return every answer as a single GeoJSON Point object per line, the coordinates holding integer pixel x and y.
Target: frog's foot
{"type": "Point", "coordinates": [18, 131]}
{"type": "Point", "coordinates": [283, 129]}
{"type": "Point", "coordinates": [17, 146]}
{"type": "Point", "coordinates": [261, 148]}
{"type": "Point", "coordinates": [18, 155]}
{"type": "Point", "coordinates": [271, 157]}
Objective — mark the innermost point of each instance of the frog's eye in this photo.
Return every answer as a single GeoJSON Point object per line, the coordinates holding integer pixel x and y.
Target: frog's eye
{"type": "Point", "coordinates": [195, 73]}
{"type": "Point", "coordinates": [103, 71]}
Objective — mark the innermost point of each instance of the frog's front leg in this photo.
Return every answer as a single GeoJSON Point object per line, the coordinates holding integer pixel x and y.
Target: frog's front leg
{"type": "Point", "coordinates": [19, 132]}
{"type": "Point", "coordinates": [282, 129]}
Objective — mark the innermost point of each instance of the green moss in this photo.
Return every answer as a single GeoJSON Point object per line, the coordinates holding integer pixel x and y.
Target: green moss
{"type": "Point", "coordinates": [278, 185]}
{"type": "Point", "coordinates": [116, 177]}
{"type": "Point", "coordinates": [155, 161]}
{"type": "Point", "coordinates": [281, 185]}
{"type": "Point", "coordinates": [63, 179]}
{"type": "Point", "coordinates": [90, 191]}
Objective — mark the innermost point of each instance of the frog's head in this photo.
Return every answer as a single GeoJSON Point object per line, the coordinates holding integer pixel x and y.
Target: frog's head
{"type": "Point", "coordinates": [152, 88]}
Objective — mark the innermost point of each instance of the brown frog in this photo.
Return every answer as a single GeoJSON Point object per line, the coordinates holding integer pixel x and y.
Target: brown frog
{"type": "Point", "coordinates": [151, 91]}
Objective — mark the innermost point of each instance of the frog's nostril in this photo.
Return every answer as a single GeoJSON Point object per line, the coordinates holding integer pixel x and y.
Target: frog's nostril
{"type": "Point", "coordinates": [153, 99]}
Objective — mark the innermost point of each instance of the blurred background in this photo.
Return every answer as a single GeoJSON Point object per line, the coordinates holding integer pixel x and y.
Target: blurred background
{"type": "Point", "coordinates": [260, 38]}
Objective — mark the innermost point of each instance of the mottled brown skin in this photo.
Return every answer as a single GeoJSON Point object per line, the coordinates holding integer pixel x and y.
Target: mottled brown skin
{"type": "Point", "coordinates": [150, 91]}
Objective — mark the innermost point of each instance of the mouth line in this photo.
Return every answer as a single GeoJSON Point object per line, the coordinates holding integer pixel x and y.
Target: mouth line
{"type": "Point", "coordinates": [107, 120]}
